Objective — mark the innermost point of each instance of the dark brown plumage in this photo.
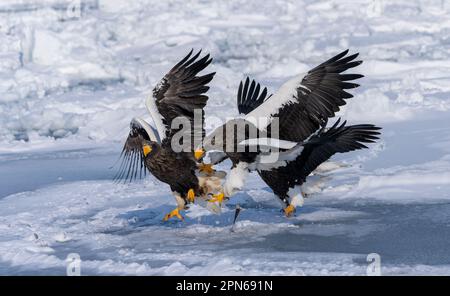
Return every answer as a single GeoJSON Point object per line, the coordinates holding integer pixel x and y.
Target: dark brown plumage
{"type": "Point", "coordinates": [178, 95]}
{"type": "Point", "coordinates": [175, 169]}
{"type": "Point", "coordinates": [181, 92]}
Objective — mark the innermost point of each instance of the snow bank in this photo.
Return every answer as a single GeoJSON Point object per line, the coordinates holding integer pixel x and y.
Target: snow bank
{"type": "Point", "coordinates": [113, 52]}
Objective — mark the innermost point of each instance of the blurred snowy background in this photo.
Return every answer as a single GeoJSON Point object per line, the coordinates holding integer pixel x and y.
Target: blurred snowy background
{"type": "Point", "coordinates": [73, 73]}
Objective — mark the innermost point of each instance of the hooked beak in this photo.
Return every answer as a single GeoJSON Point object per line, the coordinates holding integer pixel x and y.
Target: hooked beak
{"type": "Point", "coordinates": [146, 149]}
{"type": "Point", "coordinates": [198, 153]}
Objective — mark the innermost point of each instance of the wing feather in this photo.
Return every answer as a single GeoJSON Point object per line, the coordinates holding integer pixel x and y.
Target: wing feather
{"type": "Point", "coordinates": [180, 92]}
{"type": "Point", "coordinates": [304, 104]}
{"type": "Point", "coordinates": [337, 139]}
{"type": "Point", "coordinates": [250, 96]}
{"type": "Point", "coordinates": [132, 155]}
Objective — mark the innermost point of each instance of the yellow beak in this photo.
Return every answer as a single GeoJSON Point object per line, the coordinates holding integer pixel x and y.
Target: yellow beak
{"type": "Point", "coordinates": [146, 149]}
{"type": "Point", "coordinates": [199, 153]}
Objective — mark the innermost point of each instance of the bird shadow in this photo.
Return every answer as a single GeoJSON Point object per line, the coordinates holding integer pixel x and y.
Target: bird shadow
{"type": "Point", "coordinates": [155, 217]}
{"type": "Point", "coordinates": [252, 211]}
{"type": "Point", "coordinates": [140, 220]}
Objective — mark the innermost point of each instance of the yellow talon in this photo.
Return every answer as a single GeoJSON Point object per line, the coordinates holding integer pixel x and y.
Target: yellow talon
{"type": "Point", "coordinates": [206, 168]}
{"type": "Point", "coordinates": [191, 195]}
{"type": "Point", "coordinates": [217, 197]}
{"type": "Point", "coordinates": [289, 210]}
{"type": "Point", "coordinates": [174, 213]}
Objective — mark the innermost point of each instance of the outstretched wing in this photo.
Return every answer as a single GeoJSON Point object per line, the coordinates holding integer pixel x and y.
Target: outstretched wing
{"type": "Point", "coordinates": [249, 96]}
{"type": "Point", "coordinates": [319, 148]}
{"type": "Point", "coordinates": [179, 94]}
{"type": "Point", "coordinates": [337, 139]}
{"type": "Point", "coordinates": [132, 164]}
{"type": "Point", "coordinates": [304, 103]}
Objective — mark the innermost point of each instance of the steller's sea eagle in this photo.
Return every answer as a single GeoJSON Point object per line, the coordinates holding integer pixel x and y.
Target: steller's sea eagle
{"type": "Point", "coordinates": [286, 181]}
{"type": "Point", "coordinates": [178, 95]}
{"type": "Point", "coordinates": [302, 107]}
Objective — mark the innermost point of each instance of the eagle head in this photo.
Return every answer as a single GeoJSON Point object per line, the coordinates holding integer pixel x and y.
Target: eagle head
{"type": "Point", "coordinates": [149, 148]}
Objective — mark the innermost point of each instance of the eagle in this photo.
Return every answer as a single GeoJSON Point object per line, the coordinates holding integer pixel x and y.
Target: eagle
{"type": "Point", "coordinates": [301, 107]}
{"type": "Point", "coordinates": [179, 96]}
{"type": "Point", "coordinates": [285, 181]}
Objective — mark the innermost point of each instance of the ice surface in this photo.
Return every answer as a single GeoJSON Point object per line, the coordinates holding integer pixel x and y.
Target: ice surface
{"type": "Point", "coordinates": [71, 80]}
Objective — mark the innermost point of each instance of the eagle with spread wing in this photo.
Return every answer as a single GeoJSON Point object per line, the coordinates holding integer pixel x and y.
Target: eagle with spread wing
{"type": "Point", "coordinates": [302, 107]}
{"type": "Point", "coordinates": [175, 103]}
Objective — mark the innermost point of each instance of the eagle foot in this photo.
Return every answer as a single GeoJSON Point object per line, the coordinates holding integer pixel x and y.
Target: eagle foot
{"type": "Point", "coordinates": [217, 198]}
{"type": "Point", "coordinates": [191, 195]}
{"type": "Point", "coordinates": [206, 168]}
{"type": "Point", "coordinates": [289, 211]}
{"type": "Point", "coordinates": [174, 213]}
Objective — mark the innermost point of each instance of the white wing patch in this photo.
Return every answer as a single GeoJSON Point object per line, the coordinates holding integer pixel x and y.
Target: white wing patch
{"type": "Point", "coordinates": [151, 132]}
{"type": "Point", "coordinates": [285, 95]}
{"type": "Point", "coordinates": [156, 116]}
{"type": "Point", "coordinates": [269, 143]}
{"type": "Point", "coordinates": [273, 160]}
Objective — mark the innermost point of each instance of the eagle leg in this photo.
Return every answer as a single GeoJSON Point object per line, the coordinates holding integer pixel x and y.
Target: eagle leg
{"type": "Point", "coordinates": [174, 213]}
{"type": "Point", "coordinates": [191, 195]}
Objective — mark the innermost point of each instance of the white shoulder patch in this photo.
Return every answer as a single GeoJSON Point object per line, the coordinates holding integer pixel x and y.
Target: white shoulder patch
{"type": "Point", "coordinates": [286, 94]}
{"type": "Point", "coordinates": [275, 159]}
{"type": "Point", "coordinates": [150, 130]}
{"type": "Point", "coordinates": [269, 143]}
{"type": "Point", "coordinates": [156, 116]}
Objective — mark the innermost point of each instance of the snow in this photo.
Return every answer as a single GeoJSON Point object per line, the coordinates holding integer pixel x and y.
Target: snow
{"type": "Point", "coordinates": [71, 81]}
